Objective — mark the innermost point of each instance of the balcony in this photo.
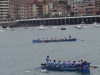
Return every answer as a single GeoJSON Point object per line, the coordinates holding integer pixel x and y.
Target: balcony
{"type": "Point", "coordinates": [4, 1]}
{"type": "Point", "coordinates": [4, 7]}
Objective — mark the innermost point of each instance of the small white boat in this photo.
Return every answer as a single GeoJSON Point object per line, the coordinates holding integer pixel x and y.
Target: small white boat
{"type": "Point", "coordinates": [82, 25]}
{"type": "Point", "coordinates": [66, 27]}
{"type": "Point", "coordinates": [1, 29]}
{"type": "Point", "coordinates": [78, 26]}
{"type": "Point", "coordinates": [97, 26]}
{"type": "Point", "coordinates": [55, 27]}
{"type": "Point", "coordinates": [95, 23]}
{"type": "Point", "coordinates": [8, 28]}
{"type": "Point", "coordinates": [41, 27]}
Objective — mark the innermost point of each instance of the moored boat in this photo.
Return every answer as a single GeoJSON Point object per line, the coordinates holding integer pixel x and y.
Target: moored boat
{"type": "Point", "coordinates": [41, 27]}
{"type": "Point", "coordinates": [82, 25]}
{"type": "Point", "coordinates": [63, 28]}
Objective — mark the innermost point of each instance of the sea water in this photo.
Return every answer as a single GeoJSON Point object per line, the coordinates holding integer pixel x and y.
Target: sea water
{"type": "Point", "coordinates": [19, 56]}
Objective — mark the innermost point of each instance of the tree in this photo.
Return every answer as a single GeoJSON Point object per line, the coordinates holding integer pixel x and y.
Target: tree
{"type": "Point", "coordinates": [46, 15]}
{"type": "Point", "coordinates": [68, 7]}
{"type": "Point", "coordinates": [71, 13]}
{"type": "Point", "coordinates": [62, 2]}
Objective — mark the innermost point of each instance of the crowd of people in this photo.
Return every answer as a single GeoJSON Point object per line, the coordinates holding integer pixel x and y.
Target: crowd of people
{"type": "Point", "coordinates": [64, 63]}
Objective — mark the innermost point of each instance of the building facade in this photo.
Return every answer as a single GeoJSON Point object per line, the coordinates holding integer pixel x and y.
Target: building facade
{"type": "Point", "coordinates": [4, 9]}
{"type": "Point", "coordinates": [40, 8]}
{"type": "Point", "coordinates": [25, 9]}
{"type": "Point", "coordinates": [83, 7]}
{"type": "Point", "coordinates": [97, 4]}
{"type": "Point", "coordinates": [20, 9]}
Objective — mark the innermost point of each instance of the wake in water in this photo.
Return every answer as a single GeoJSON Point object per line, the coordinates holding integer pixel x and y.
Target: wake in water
{"type": "Point", "coordinates": [37, 69]}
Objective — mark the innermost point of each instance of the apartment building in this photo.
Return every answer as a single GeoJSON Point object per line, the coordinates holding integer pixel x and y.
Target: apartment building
{"type": "Point", "coordinates": [20, 9]}
{"type": "Point", "coordinates": [97, 4]}
{"type": "Point", "coordinates": [83, 7]}
{"type": "Point", "coordinates": [4, 9]}
{"type": "Point", "coordinates": [40, 8]}
{"type": "Point", "coordinates": [25, 9]}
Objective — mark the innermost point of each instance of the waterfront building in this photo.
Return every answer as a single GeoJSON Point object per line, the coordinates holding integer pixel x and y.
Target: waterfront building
{"type": "Point", "coordinates": [4, 9]}
{"type": "Point", "coordinates": [97, 4]}
{"type": "Point", "coordinates": [25, 9]}
{"type": "Point", "coordinates": [20, 9]}
{"type": "Point", "coordinates": [83, 7]}
{"type": "Point", "coordinates": [40, 8]}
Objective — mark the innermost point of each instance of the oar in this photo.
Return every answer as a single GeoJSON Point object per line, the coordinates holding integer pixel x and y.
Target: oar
{"type": "Point", "coordinates": [80, 40]}
{"type": "Point", "coordinates": [92, 67]}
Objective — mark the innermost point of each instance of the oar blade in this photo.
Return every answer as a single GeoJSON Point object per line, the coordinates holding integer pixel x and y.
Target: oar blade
{"type": "Point", "coordinates": [92, 67]}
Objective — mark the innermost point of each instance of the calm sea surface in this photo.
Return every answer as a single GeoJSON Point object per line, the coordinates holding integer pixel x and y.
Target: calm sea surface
{"type": "Point", "coordinates": [19, 56]}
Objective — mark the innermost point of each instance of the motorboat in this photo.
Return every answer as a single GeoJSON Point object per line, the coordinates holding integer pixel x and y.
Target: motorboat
{"type": "Point", "coordinates": [82, 25]}
{"type": "Point", "coordinates": [63, 28]}
{"type": "Point", "coordinates": [96, 25]}
{"type": "Point", "coordinates": [55, 27]}
{"type": "Point", "coordinates": [41, 27]}
{"type": "Point", "coordinates": [8, 28]}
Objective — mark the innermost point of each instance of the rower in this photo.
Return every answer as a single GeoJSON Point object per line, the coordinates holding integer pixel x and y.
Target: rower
{"type": "Point", "coordinates": [55, 38]}
{"type": "Point", "coordinates": [51, 38]}
{"type": "Point", "coordinates": [54, 63]}
{"type": "Point", "coordinates": [38, 39]}
{"type": "Point", "coordinates": [47, 59]}
{"type": "Point", "coordinates": [50, 63]}
{"type": "Point", "coordinates": [69, 37]}
{"type": "Point", "coordinates": [65, 38]}
{"type": "Point", "coordinates": [64, 63]}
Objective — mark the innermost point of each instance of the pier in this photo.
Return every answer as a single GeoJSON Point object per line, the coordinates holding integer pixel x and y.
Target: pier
{"type": "Point", "coordinates": [60, 20]}
{"type": "Point", "coordinates": [56, 21]}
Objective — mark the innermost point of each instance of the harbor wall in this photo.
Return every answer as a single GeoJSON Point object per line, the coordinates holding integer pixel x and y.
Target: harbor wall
{"type": "Point", "coordinates": [52, 21]}
{"type": "Point", "coordinates": [10, 24]}
{"type": "Point", "coordinates": [60, 21]}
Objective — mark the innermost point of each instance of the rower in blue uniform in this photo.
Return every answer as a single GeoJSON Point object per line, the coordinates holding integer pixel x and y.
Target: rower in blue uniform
{"type": "Point", "coordinates": [47, 59]}
{"type": "Point", "coordinates": [69, 37]}
{"type": "Point", "coordinates": [50, 63]}
{"type": "Point", "coordinates": [54, 63]}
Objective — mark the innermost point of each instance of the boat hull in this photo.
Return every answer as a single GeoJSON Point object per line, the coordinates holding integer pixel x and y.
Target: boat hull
{"type": "Point", "coordinates": [76, 69]}
{"type": "Point", "coordinates": [59, 40]}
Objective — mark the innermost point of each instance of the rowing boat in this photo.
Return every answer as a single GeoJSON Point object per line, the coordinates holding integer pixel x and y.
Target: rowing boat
{"type": "Point", "coordinates": [55, 40]}
{"type": "Point", "coordinates": [83, 68]}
